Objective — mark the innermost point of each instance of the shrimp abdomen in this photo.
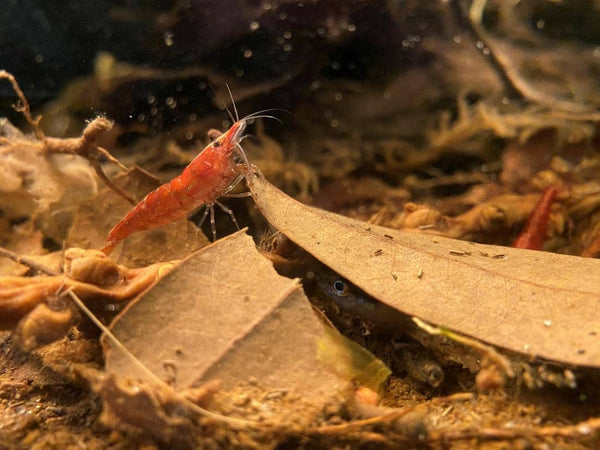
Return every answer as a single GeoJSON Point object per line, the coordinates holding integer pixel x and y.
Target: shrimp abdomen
{"type": "Point", "coordinates": [159, 207]}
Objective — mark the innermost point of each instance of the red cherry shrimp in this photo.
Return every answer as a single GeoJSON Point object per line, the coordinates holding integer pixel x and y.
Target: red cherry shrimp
{"type": "Point", "coordinates": [211, 175]}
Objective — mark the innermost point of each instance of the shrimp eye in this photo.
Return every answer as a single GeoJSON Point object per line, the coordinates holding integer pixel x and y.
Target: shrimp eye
{"type": "Point", "coordinates": [216, 144]}
{"type": "Point", "coordinates": [340, 288]}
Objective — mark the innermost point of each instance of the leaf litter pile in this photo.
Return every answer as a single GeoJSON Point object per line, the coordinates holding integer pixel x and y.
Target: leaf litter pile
{"type": "Point", "coordinates": [381, 301]}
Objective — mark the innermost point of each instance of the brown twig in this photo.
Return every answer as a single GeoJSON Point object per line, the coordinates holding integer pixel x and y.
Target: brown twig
{"type": "Point", "coordinates": [116, 189]}
{"type": "Point", "coordinates": [24, 107]}
{"type": "Point", "coordinates": [357, 425]}
{"type": "Point", "coordinates": [27, 262]}
{"type": "Point", "coordinates": [582, 429]}
{"type": "Point", "coordinates": [86, 147]}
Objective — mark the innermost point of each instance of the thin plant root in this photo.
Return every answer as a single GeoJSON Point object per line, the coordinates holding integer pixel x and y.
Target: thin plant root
{"type": "Point", "coordinates": [26, 262]}
{"type": "Point", "coordinates": [357, 425]}
{"type": "Point", "coordinates": [24, 106]}
{"type": "Point", "coordinates": [86, 147]}
{"type": "Point", "coordinates": [583, 429]}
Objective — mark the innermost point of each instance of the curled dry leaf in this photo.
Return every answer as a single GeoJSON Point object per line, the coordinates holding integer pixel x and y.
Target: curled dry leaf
{"type": "Point", "coordinates": [89, 273]}
{"type": "Point", "coordinates": [225, 314]}
{"type": "Point", "coordinates": [532, 302]}
{"type": "Point", "coordinates": [502, 212]}
{"type": "Point", "coordinates": [42, 326]}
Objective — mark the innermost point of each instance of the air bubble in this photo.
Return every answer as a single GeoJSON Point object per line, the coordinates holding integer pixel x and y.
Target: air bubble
{"type": "Point", "coordinates": [171, 102]}
{"type": "Point", "coordinates": [168, 38]}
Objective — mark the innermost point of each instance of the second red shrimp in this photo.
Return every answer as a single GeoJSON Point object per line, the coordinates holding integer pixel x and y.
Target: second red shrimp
{"type": "Point", "coordinates": [209, 176]}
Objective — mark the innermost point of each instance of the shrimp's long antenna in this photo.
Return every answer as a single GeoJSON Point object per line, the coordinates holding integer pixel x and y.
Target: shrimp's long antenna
{"type": "Point", "coordinates": [229, 114]}
{"type": "Point", "coordinates": [237, 116]}
{"type": "Point", "coordinates": [224, 106]}
{"type": "Point", "coordinates": [256, 113]}
{"type": "Point", "coordinates": [262, 116]}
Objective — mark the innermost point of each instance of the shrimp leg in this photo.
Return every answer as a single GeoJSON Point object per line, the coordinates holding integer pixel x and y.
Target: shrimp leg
{"type": "Point", "coordinates": [240, 195]}
{"type": "Point", "coordinates": [234, 183]}
{"type": "Point", "coordinates": [210, 208]}
{"type": "Point", "coordinates": [228, 211]}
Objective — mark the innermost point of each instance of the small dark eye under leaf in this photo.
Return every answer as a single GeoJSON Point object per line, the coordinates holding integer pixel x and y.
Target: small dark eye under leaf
{"type": "Point", "coordinates": [341, 288]}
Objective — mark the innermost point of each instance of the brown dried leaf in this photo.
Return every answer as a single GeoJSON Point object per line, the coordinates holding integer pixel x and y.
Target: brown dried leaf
{"type": "Point", "coordinates": [531, 302]}
{"type": "Point", "coordinates": [225, 314]}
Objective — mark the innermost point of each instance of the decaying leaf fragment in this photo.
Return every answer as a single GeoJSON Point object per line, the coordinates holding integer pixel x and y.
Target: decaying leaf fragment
{"type": "Point", "coordinates": [37, 306]}
{"type": "Point", "coordinates": [537, 303]}
{"type": "Point", "coordinates": [31, 181]}
{"type": "Point", "coordinates": [163, 413]}
{"type": "Point", "coordinates": [501, 212]}
{"type": "Point", "coordinates": [225, 314]}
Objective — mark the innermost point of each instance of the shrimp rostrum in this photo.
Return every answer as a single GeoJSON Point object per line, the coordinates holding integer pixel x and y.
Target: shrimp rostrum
{"type": "Point", "coordinates": [211, 175]}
